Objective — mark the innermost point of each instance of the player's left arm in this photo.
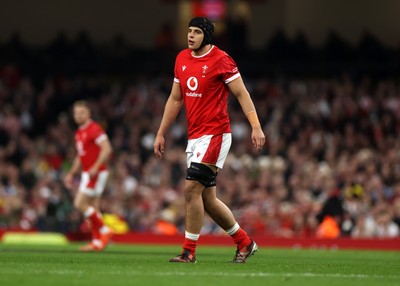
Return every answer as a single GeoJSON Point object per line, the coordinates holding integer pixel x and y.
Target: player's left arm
{"type": "Point", "coordinates": [104, 155]}
{"type": "Point", "coordinates": [239, 90]}
{"type": "Point", "coordinates": [76, 164]}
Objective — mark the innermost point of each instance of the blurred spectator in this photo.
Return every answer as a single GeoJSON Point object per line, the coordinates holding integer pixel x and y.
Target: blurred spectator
{"type": "Point", "coordinates": [333, 143]}
{"type": "Point", "coordinates": [337, 49]}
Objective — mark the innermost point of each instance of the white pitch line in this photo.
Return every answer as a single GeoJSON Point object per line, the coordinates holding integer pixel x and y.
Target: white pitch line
{"type": "Point", "coordinates": [209, 274]}
{"type": "Point", "coordinates": [272, 274]}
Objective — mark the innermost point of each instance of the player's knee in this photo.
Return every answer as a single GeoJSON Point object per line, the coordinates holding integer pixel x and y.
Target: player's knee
{"type": "Point", "coordinates": [202, 174]}
{"type": "Point", "coordinates": [78, 204]}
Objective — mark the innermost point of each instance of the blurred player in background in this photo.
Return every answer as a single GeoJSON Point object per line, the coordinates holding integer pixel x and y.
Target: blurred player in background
{"type": "Point", "coordinates": [93, 150]}
{"type": "Point", "coordinates": [204, 75]}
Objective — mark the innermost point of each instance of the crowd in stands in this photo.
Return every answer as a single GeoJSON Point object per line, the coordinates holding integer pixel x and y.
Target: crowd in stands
{"type": "Point", "coordinates": [331, 166]}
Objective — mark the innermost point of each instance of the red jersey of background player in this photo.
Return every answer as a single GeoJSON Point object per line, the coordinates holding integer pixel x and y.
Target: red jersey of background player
{"type": "Point", "coordinates": [86, 138]}
{"type": "Point", "coordinates": [203, 82]}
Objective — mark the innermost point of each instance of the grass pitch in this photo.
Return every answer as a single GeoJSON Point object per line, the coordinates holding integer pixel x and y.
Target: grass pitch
{"type": "Point", "coordinates": [148, 265]}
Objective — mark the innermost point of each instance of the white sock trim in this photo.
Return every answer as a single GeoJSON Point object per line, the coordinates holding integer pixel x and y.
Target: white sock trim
{"type": "Point", "coordinates": [97, 242]}
{"type": "Point", "coordinates": [231, 231]}
{"type": "Point", "coordinates": [104, 229]}
{"type": "Point", "coordinates": [192, 236]}
{"type": "Point", "coordinates": [89, 211]}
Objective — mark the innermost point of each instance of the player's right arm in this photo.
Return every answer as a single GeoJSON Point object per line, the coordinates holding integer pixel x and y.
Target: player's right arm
{"type": "Point", "coordinates": [171, 110]}
{"type": "Point", "coordinates": [76, 164]}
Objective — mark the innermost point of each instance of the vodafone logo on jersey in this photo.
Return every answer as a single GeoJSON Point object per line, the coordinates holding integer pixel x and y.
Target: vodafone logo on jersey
{"type": "Point", "coordinates": [192, 83]}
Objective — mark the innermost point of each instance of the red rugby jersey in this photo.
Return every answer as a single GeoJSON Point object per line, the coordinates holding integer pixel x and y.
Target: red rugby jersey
{"type": "Point", "coordinates": [87, 138]}
{"type": "Point", "coordinates": [203, 80]}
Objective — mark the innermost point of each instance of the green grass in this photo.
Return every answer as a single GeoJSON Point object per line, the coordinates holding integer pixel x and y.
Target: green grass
{"type": "Point", "coordinates": [147, 265]}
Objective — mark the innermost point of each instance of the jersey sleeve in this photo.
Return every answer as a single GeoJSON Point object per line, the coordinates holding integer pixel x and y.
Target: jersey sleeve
{"type": "Point", "coordinates": [98, 134]}
{"type": "Point", "coordinates": [176, 75]}
{"type": "Point", "coordinates": [228, 69]}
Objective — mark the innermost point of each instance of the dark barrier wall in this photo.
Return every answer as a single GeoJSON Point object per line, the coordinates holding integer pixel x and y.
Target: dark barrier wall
{"type": "Point", "coordinates": [139, 21]}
